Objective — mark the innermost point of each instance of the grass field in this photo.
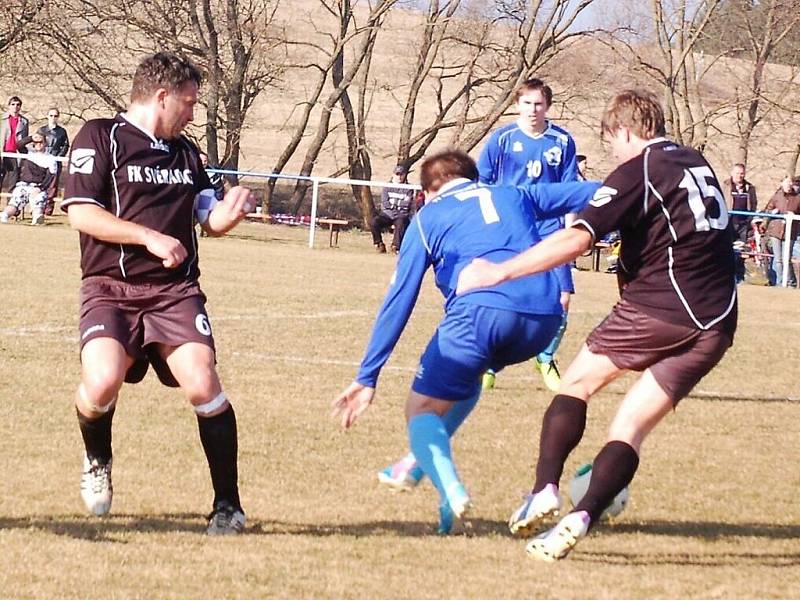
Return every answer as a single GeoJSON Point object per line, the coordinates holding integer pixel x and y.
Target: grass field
{"type": "Point", "coordinates": [713, 514]}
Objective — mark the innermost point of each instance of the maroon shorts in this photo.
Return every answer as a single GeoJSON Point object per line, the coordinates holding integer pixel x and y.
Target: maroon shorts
{"type": "Point", "coordinates": [678, 356]}
{"type": "Point", "coordinates": [140, 315]}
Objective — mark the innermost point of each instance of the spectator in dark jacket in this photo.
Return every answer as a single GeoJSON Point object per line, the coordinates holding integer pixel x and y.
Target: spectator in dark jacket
{"type": "Point", "coordinates": [740, 194]}
{"type": "Point", "coordinates": [56, 143]}
{"type": "Point", "coordinates": [396, 205]}
{"type": "Point", "coordinates": [216, 179]}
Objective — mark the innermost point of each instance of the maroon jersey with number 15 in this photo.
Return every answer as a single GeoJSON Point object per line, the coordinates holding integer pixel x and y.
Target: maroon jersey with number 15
{"type": "Point", "coordinates": [125, 170]}
{"type": "Point", "coordinates": [677, 247]}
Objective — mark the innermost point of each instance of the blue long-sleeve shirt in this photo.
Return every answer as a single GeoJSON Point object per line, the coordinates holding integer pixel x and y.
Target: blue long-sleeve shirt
{"type": "Point", "coordinates": [470, 220]}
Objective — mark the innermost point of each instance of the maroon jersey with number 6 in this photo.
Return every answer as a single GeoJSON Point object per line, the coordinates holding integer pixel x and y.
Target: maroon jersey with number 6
{"type": "Point", "coordinates": [127, 171]}
{"type": "Point", "coordinates": [677, 257]}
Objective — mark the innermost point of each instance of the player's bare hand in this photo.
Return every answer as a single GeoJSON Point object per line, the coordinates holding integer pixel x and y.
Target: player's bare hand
{"type": "Point", "coordinates": [167, 248]}
{"type": "Point", "coordinates": [478, 274]}
{"type": "Point", "coordinates": [239, 201]}
{"type": "Point", "coordinates": [353, 401]}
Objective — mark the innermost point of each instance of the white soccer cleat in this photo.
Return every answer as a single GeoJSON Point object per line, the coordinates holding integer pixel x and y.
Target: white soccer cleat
{"type": "Point", "coordinates": [401, 476]}
{"type": "Point", "coordinates": [37, 219]}
{"type": "Point", "coordinates": [556, 543]}
{"type": "Point", "coordinates": [225, 520]}
{"type": "Point", "coordinates": [537, 507]}
{"type": "Point", "coordinates": [96, 488]}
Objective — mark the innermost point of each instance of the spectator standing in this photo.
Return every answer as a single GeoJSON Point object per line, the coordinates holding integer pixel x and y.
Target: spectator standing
{"type": "Point", "coordinates": [36, 175]}
{"type": "Point", "coordinates": [216, 179]}
{"type": "Point", "coordinates": [396, 204]}
{"type": "Point", "coordinates": [56, 144]}
{"type": "Point", "coordinates": [13, 128]}
{"type": "Point", "coordinates": [740, 194]}
{"type": "Point", "coordinates": [785, 200]}
{"type": "Point", "coordinates": [583, 167]}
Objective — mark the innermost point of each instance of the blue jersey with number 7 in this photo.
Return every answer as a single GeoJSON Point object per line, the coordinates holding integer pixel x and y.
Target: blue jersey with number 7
{"type": "Point", "coordinates": [469, 220]}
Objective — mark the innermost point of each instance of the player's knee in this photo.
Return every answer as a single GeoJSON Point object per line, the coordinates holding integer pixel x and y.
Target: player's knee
{"type": "Point", "coordinates": [103, 378]}
{"type": "Point", "coordinates": [417, 404]}
{"type": "Point", "coordinates": [200, 384]}
{"type": "Point", "coordinates": [97, 399]}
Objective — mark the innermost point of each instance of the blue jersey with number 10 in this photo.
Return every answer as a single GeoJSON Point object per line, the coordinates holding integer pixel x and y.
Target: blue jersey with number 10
{"type": "Point", "coordinates": [514, 157]}
{"type": "Point", "coordinates": [469, 220]}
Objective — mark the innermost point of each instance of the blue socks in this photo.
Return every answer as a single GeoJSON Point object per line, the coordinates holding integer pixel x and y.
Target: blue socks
{"type": "Point", "coordinates": [452, 420]}
{"type": "Point", "coordinates": [430, 444]}
{"type": "Point", "coordinates": [547, 355]}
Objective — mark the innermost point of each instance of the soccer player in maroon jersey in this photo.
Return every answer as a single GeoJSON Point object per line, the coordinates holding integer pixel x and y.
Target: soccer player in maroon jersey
{"type": "Point", "coordinates": [136, 187]}
{"type": "Point", "coordinates": [674, 321]}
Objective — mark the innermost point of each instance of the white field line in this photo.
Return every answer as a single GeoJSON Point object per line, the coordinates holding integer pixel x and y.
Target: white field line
{"type": "Point", "coordinates": [614, 388]}
{"type": "Point", "coordinates": [316, 361]}
{"type": "Point", "coordinates": [330, 314]}
{"type": "Point", "coordinates": [46, 330]}
{"type": "Point", "coordinates": [51, 329]}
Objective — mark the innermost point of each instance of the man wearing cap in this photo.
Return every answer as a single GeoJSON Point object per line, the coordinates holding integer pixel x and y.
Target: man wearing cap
{"type": "Point", "coordinates": [396, 205]}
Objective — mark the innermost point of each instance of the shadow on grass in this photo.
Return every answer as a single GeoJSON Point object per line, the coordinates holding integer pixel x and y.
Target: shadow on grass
{"type": "Point", "coordinates": [707, 530]}
{"type": "Point", "coordinates": [689, 559]}
{"type": "Point", "coordinates": [114, 527]}
{"type": "Point", "coordinates": [107, 529]}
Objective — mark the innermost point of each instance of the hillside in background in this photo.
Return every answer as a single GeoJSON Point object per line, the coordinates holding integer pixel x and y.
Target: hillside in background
{"type": "Point", "coordinates": [583, 77]}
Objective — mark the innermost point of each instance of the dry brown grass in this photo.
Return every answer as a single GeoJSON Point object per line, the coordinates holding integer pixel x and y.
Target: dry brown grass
{"type": "Point", "coordinates": [714, 510]}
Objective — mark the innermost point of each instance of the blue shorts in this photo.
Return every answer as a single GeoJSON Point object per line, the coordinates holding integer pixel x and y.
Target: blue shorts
{"type": "Point", "coordinates": [471, 339]}
{"type": "Point", "coordinates": [564, 276]}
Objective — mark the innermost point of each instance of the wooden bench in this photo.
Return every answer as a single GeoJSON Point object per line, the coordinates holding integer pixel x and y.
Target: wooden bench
{"type": "Point", "coordinates": [334, 225]}
{"type": "Point", "coordinates": [596, 251]}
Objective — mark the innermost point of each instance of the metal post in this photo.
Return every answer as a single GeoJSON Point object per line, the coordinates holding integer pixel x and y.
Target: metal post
{"type": "Point", "coordinates": [786, 249]}
{"type": "Point", "coordinates": [314, 198]}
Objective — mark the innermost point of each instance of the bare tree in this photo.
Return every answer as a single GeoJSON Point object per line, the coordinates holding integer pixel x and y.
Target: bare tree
{"type": "Point", "coordinates": [360, 39]}
{"type": "Point", "coordinates": [15, 18]}
{"type": "Point", "coordinates": [232, 41]}
{"type": "Point", "coordinates": [471, 58]}
{"type": "Point", "coordinates": [667, 53]}
{"type": "Point", "coordinates": [758, 33]}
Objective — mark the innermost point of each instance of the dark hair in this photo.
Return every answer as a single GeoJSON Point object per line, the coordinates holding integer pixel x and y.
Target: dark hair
{"type": "Point", "coordinates": [531, 85]}
{"type": "Point", "coordinates": [444, 166]}
{"type": "Point", "coordinates": [162, 70]}
{"type": "Point", "coordinates": [15, 99]}
{"type": "Point", "coordinates": [638, 110]}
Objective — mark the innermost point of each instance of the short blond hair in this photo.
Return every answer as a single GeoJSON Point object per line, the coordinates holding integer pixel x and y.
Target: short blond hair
{"type": "Point", "coordinates": [638, 110]}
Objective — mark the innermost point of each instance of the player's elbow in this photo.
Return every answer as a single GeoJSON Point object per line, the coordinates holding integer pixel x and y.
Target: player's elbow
{"type": "Point", "coordinates": [579, 240]}
{"type": "Point", "coordinates": [75, 218]}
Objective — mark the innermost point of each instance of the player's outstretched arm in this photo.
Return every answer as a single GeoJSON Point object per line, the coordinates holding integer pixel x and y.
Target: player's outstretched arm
{"type": "Point", "coordinates": [230, 211]}
{"type": "Point", "coordinates": [101, 224]}
{"type": "Point", "coordinates": [559, 248]}
{"type": "Point", "coordinates": [353, 401]}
